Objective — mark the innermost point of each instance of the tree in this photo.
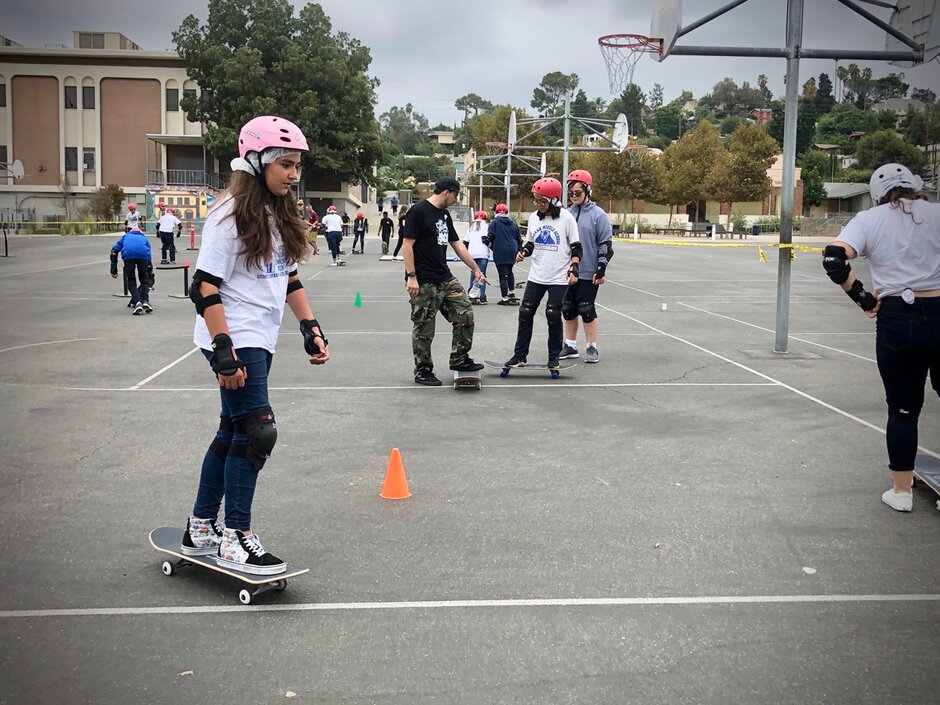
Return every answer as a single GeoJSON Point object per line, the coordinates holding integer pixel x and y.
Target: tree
{"type": "Point", "coordinates": [633, 101]}
{"type": "Point", "coordinates": [809, 89]}
{"type": "Point", "coordinates": [666, 121]}
{"type": "Point", "coordinates": [725, 95]}
{"type": "Point", "coordinates": [765, 91]}
{"type": "Point", "coordinates": [805, 123]}
{"type": "Point", "coordinates": [254, 57]}
{"type": "Point", "coordinates": [552, 90]}
{"type": "Point", "coordinates": [688, 163]}
{"type": "Point", "coordinates": [887, 119]}
{"type": "Point", "coordinates": [843, 120]}
{"type": "Point", "coordinates": [656, 97]}
{"type": "Point", "coordinates": [890, 86]}
{"type": "Point", "coordinates": [822, 162]}
{"type": "Point", "coordinates": [730, 123]}
{"type": "Point", "coordinates": [922, 127]}
{"type": "Point", "coordinates": [581, 106]}
{"type": "Point", "coordinates": [824, 99]}
{"type": "Point", "coordinates": [859, 84]}
{"type": "Point", "coordinates": [924, 95]}
{"type": "Point", "coordinates": [473, 102]}
{"type": "Point", "coordinates": [404, 128]}
{"type": "Point", "coordinates": [106, 202]}
{"type": "Point", "coordinates": [620, 177]}
{"type": "Point", "coordinates": [885, 146]}
{"type": "Point", "coordinates": [814, 193]}
{"type": "Point", "coordinates": [67, 195]}
{"type": "Point", "coordinates": [740, 172]}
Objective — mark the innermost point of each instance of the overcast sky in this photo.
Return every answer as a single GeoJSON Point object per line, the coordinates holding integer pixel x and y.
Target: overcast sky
{"type": "Point", "coordinates": [431, 53]}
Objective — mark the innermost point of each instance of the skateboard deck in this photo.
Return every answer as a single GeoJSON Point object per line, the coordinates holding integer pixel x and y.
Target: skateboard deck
{"type": "Point", "coordinates": [467, 380]}
{"type": "Point", "coordinates": [927, 471]}
{"type": "Point", "coordinates": [167, 539]}
{"type": "Point", "coordinates": [555, 373]}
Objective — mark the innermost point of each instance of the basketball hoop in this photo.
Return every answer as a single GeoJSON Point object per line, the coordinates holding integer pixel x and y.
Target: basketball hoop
{"type": "Point", "coordinates": [621, 53]}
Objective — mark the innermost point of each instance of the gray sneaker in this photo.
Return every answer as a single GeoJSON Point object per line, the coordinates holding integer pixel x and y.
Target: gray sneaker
{"type": "Point", "coordinates": [568, 353]}
{"type": "Point", "coordinates": [592, 355]}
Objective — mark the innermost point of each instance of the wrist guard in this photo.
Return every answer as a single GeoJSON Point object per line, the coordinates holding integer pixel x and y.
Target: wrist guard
{"type": "Point", "coordinates": [223, 358]}
{"type": "Point", "coordinates": [864, 299]}
{"type": "Point", "coordinates": [528, 249]}
{"type": "Point", "coordinates": [601, 271]}
{"type": "Point", "coordinates": [310, 345]}
{"type": "Point", "coordinates": [574, 269]}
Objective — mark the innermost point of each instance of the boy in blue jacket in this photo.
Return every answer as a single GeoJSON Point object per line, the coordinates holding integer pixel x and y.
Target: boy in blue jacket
{"type": "Point", "coordinates": [135, 250]}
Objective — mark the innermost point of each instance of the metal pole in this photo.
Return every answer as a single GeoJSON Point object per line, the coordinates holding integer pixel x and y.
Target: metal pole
{"type": "Point", "coordinates": [794, 39]}
{"type": "Point", "coordinates": [564, 160]}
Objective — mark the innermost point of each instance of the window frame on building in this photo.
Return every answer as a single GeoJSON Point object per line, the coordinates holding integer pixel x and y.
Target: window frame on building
{"type": "Point", "coordinates": [71, 159]}
{"type": "Point", "coordinates": [172, 105]}
{"type": "Point", "coordinates": [3, 95]}
{"type": "Point", "coordinates": [86, 103]}
{"type": "Point", "coordinates": [86, 165]}
{"type": "Point", "coordinates": [70, 97]}
{"type": "Point", "coordinates": [88, 40]}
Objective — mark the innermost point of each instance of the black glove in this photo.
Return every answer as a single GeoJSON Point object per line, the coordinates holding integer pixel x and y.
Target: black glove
{"type": "Point", "coordinates": [601, 271]}
{"type": "Point", "coordinates": [310, 345]}
{"type": "Point", "coordinates": [574, 269]}
{"type": "Point", "coordinates": [223, 357]}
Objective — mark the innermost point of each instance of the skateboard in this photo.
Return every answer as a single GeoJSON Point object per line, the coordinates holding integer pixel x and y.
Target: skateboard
{"type": "Point", "coordinates": [927, 471]}
{"type": "Point", "coordinates": [467, 380]}
{"type": "Point", "coordinates": [555, 373]}
{"type": "Point", "coordinates": [167, 539]}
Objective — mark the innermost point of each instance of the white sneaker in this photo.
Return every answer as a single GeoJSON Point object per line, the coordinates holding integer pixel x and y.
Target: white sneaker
{"type": "Point", "coordinates": [899, 501]}
{"type": "Point", "coordinates": [138, 309]}
{"type": "Point", "coordinates": [333, 263]}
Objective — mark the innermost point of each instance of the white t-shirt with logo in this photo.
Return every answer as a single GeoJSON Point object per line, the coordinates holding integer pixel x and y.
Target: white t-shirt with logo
{"type": "Point", "coordinates": [133, 219]}
{"type": "Point", "coordinates": [552, 238]}
{"type": "Point", "coordinates": [474, 238]}
{"type": "Point", "coordinates": [903, 249]}
{"type": "Point", "coordinates": [253, 298]}
{"type": "Point", "coordinates": [332, 223]}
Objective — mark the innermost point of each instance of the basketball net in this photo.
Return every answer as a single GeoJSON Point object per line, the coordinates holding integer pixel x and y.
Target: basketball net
{"type": "Point", "coordinates": [621, 53]}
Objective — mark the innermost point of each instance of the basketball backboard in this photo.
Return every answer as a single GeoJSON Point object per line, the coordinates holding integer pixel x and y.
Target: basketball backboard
{"type": "Point", "coordinates": [917, 20]}
{"type": "Point", "coordinates": [15, 168]}
{"type": "Point", "coordinates": [621, 135]}
{"type": "Point", "coordinates": [512, 130]}
{"type": "Point", "coordinates": [665, 24]}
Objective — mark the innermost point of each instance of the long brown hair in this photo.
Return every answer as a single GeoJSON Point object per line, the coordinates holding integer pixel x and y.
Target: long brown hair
{"type": "Point", "coordinates": [252, 204]}
{"type": "Point", "coordinates": [896, 195]}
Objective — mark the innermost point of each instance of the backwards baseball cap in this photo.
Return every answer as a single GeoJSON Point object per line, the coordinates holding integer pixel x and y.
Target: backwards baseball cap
{"type": "Point", "coordinates": [446, 183]}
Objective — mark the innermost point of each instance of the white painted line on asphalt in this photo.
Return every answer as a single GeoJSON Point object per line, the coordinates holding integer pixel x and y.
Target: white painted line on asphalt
{"type": "Point", "coordinates": [768, 330]}
{"type": "Point", "coordinates": [418, 388]}
{"type": "Point", "coordinates": [53, 269]}
{"type": "Point", "coordinates": [48, 342]}
{"type": "Point", "coordinates": [159, 372]}
{"type": "Point", "coordinates": [786, 386]}
{"type": "Point", "coordinates": [471, 604]}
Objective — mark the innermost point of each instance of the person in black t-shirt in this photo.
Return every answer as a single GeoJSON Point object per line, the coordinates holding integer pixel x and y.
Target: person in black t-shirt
{"type": "Point", "coordinates": [386, 225]}
{"type": "Point", "coordinates": [430, 284]}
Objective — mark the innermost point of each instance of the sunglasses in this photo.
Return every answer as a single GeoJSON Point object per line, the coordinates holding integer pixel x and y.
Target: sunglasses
{"type": "Point", "coordinates": [576, 194]}
{"type": "Point", "coordinates": [540, 201]}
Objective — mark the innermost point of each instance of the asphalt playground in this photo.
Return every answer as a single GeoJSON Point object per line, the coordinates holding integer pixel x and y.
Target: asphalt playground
{"type": "Point", "coordinates": [696, 519]}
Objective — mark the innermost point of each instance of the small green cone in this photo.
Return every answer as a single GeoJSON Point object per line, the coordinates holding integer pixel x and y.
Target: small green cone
{"type": "Point", "coordinates": [358, 302]}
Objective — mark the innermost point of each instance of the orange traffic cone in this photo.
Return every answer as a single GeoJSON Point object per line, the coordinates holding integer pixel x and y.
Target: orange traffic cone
{"type": "Point", "coordinates": [395, 485]}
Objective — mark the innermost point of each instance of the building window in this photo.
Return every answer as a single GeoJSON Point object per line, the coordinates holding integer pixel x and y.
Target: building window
{"type": "Point", "coordinates": [3, 154]}
{"type": "Point", "coordinates": [71, 158]}
{"type": "Point", "coordinates": [88, 159]}
{"type": "Point", "coordinates": [88, 97]}
{"type": "Point", "coordinates": [71, 97]}
{"type": "Point", "coordinates": [90, 40]}
{"type": "Point", "coordinates": [172, 99]}
{"type": "Point", "coordinates": [3, 95]}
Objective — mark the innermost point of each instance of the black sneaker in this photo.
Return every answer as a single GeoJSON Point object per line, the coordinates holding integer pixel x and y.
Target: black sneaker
{"type": "Point", "coordinates": [467, 365]}
{"type": "Point", "coordinates": [503, 302]}
{"type": "Point", "coordinates": [427, 378]}
{"type": "Point", "coordinates": [553, 363]}
{"type": "Point", "coordinates": [568, 353]}
{"type": "Point", "coordinates": [515, 361]}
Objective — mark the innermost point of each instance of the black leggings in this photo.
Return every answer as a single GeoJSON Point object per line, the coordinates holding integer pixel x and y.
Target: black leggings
{"type": "Point", "coordinates": [507, 280]}
{"type": "Point", "coordinates": [360, 238]}
{"type": "Point", "coordinates": [401, 237]}
{"type": "Point", "coordinates": [531, 298]}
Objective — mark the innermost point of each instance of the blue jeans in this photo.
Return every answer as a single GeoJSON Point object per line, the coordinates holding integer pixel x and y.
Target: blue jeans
{"type": "Point", "coordinates": [481, 263]}
{"type": "Point", "coordinates": [225, 469]}
{"type": "Point", "coordinates": [907, 346]}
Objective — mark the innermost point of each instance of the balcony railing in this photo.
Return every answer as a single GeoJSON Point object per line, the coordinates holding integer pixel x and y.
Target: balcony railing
{"type": "Point", "coordinates": [187, 178]}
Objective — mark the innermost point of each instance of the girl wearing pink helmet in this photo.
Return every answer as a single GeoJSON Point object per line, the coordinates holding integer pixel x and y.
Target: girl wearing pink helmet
{"type": "Point", "coordinates": [252, 242]}
{"type": "Point", "coordinates": [553, 244]}
{"type": "Point", "coordinates": [478, 245]}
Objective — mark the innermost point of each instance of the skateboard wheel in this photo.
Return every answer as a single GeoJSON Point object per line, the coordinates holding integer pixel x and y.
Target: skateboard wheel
{"type": "Point", "coordinates": [167, 568]}
{"type": "Point", "coordinates": [554, 374]}
{"type": "Point", "coordinates": [280, 585]}
{"type": "Point", "coordinates": [244, 597]}
{"type": "Point", "coordinates": [504, 373]}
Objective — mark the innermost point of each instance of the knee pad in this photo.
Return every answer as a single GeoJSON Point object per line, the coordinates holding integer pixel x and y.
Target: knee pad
{"type": "Point", "coordinates": [223, 438]}
{"type": "Point", "coordinates": [901, 437]}
{"type": "Point", "coordinates": [587, 311]}
{"type": "Point", "coordinates": [527, 311]}
{"type": "Point", "coordinates": [261, 429]}
{"type": "Point", "coordinates": [569, 310]}
{"type": "Point", "coordinates": [553, 313]}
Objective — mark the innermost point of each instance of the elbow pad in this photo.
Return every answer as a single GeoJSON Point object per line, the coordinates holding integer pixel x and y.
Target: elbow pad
{"type": "Point", "coordinates": [203, 302]}
{"type": "Point", "coordinates": [576, 250]}
{"type": "Point", "coordinates": [835, 262]}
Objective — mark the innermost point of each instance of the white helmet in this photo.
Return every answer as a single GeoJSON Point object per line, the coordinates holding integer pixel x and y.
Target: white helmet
{"type": "Point", "coordinates": [889, 176]}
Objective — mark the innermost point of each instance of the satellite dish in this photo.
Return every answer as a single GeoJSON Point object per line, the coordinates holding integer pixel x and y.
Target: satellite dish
{"type": "Point", "coordinates": [621, 136]}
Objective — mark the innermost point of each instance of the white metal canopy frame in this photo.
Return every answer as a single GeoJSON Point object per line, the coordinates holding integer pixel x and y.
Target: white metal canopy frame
{"type": "Point", "coordinates": [912, 38]}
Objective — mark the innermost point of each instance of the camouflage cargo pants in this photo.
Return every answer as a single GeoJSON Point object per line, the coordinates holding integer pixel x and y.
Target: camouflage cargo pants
{"type": "Point", "coordinates": [451, 300]}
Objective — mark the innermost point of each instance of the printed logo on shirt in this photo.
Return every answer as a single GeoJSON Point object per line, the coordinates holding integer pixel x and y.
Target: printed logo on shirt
{"type": "Point", "coordinates": [547, 238]}
{"type": "Point", "coordinates": [277, 267]}
{"type": "Point", "coordinates": [442, 231]}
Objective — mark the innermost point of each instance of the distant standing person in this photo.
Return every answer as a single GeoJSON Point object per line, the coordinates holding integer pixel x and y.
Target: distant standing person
{"type": "Point", "coordinates": [313, 227]}
{"type": "Point", "coordinates": [430, 284]}
{"type": "Point", "coordinates": [360, 230]}
{"type": "Point", "coordinates": [333, 228]}
{"type": "Point", "coordinates": [476, 241]}
{"type": "Point", "coordinates": [402, 213]}
{"type": "Point", "coordinates": [131, 218]}
{"type": "Point", "coordinates": [379, 202]}
{"type": "Point", "coordinates": [900, 235]}
{"type": "Point", "coordinates": [134, 248]}
{"type": "Point", "coordinates": [505, 241]}
{"type": "Point", "coordinates": [393, 203]}
{"type": "Point", "coordinates": [595, 234]}
{"type": "Point", "coordinates": [553, 244]}
{"type": "Point", "coordinates": [345, 219]}
{"type": "Point", "coordinates": [386, 225]}
{"type": "Point", "coordinates": [165, 226]}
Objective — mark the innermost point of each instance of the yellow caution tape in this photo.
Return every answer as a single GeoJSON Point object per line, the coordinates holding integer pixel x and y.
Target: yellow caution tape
{"type": "Point", "coordinates": [763, 257]}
